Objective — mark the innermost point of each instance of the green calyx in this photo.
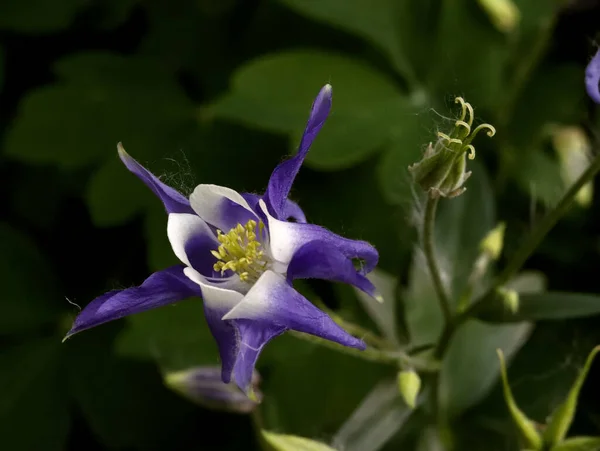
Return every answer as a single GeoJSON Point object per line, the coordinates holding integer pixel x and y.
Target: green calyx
{"type": "Point", "coordinates": [443, 169]}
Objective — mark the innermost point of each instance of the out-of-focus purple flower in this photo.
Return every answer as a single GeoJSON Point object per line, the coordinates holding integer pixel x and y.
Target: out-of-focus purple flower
{"type": "Point", "coordinates": [240, 253]}
{"type": "Point", "coordinates": [203, 385]}
{"type": "Point", "coordinates": [592, 78]}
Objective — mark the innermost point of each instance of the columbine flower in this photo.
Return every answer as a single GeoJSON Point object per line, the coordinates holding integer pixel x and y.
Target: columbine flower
{"type": "Point", "coordinates": [592, 78]}
{"type": "Point", "coordinates": [240, 253]}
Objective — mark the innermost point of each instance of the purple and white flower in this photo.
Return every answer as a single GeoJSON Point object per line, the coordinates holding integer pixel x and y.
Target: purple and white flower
{"type": "Point", "coordinates": [240, 253]}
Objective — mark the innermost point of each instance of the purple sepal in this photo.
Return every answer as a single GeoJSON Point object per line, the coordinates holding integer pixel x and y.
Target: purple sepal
{"type": "Point", "coordinates": [322, 260]}
{"type": "Point", "coordinates": [173, 200]}
{"type": "Point", "coordinates": [592, 78]}
{"type": "Point", "coordinates": [284, 174]}
{"type": "Point", "coordinates": [291, 210]}
{"type": "Point", "coordinates": [161, 288]}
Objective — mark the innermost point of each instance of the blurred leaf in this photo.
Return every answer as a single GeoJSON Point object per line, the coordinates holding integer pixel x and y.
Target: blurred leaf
{"type": "Point", "coordinates": [112, 13]}
{"type": "Point", "coordinates": [535, 108]}
{"type": "Point", "coordinates": [378, 417]}
{"type": "Point", "coordinates": [124, 402]}
{"type": "Point", "coordinates": [470, 367]}
{"type": "Point", "coordinates": [406, 147]}
{"type": "Point", "coordinates": [177, 337]}
{"type": "Point", "coordinates": [283, 442]}
{"type": "Point", "coordinates": [471, 55]}
{"type": "Point", "coordinates": [268, 93]}
{"type": "Point", "coordinates": [461, 224]}
{"type": "Point", "coordinates": [103, 99]}
{"type": "Point", "coordinates": [29, 293]}
{"type": "Point", "coordinates": [528, 282]}
{"type": "Point", "coordinates": [115, 195]}
{"type": "Point", "coordinates": [539, 176]}
{"type": "Point", "coordinates": [322, 385]}
{"type": "Point", "coordinates": [33, 411]}
{"type": "Point", "coordinates": [38, 16]}
{"type": "Point", "coordinates": [378, 22]}
{"type": "Point", "coordinates": [579, 444]}
{"type": "Point", "coordinates": [382, 313]}
{"type": "Point", "coordinates": [545, 306]}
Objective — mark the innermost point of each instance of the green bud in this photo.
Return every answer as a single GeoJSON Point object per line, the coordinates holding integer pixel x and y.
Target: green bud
{"type": "Point", "coordinates": [504, 14]}
{"type": "Point", "coordinates": [510, 299]}
{"type": "Point", "coordinates": [578, 444]}
{"type": "Point", "coordinates": [282, 442]}
{"type": "Point", "coordinates": [409, 384]}
{"type": "Point", "coordinates": [493, 242]}
{"type": "Point", "coordinates": [443, 169]}
{"type": "Point", "coordinates": [574, 151]}
{"type": "Point", "coordinates": [561, 419]}
{"type": "Point", "coordinates": [527, 430]}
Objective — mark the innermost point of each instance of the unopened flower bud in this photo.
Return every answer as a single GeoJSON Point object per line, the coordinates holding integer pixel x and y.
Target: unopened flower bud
{"type": "Point", "coordinates": [504, 14]}
{"type": "Point", "coordinates": [409, 384]}
{"type": "Point", "coordinates": [574, 149]}
{"type": "Point", "coordinates": [493, 242]}
{"type": "Point", "coordinates": [510, 299]}
{"type": "Point", "coordinates": [203, 385]}
{"type": "Point", "coordinates": [443, 169]}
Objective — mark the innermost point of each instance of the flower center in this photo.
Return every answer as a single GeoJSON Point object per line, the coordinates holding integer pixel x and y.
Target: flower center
{"type": "Point", "coordinates": [241, 251]}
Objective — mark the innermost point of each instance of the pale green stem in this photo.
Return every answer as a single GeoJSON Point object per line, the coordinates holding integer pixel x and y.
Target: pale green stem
{"type": "Point", "coordinates": [394, 358]}
{"type": "Point", "coordinates": [428, 238]}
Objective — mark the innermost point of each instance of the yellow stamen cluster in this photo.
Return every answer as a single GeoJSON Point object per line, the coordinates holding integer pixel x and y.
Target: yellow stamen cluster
{"type": "Point", "coordinates": [241, 251]}
{"type": "Point", "coordinates": [462, 135]}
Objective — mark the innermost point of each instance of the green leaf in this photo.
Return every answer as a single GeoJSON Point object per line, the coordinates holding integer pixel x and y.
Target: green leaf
{"type": "Point", "coordinates": [539, 175]}
{"type": "Point", "coordinates": [579, 444]}
{"type": "Point", "coordinates": [461, 224]}
{"type": "Point", "coordinates": [268, 93]}
{"type": "Point", "coordinates": [382, 313]}
{"type": "Point", "coordinates": [176, 336]}
{"type": "Point", "coordinates": [115, 195]}
{"type": "Point", "coordinates": [38, 16]}
{"type": "Point", "coordinates": [470, 367]}
{"type": "Point", "coordinates": [562, 417]}
{"type": "Point", "coordinates": [553, 305]}
{"type": "Point", "coordinates": [29, 294]}
{"type": "Point", "coordinates": [405, 148]}
{"type": "Point", "coordinates": [378, 417]}
{"type": "Point", "coordinates": [103, 99]}
{"type": "Point", "coordinates": [471, 55]}
{"type": "Point", "coordinates": [324, 386]}
{"type": "Point", "coordinates": [33, 411]}
{"type": "Point", "coordinates": [124, 402]}
{"type": "Point", "coordinates": [283, 442]}
{"type": "Point", "coordinates": [378, 22]}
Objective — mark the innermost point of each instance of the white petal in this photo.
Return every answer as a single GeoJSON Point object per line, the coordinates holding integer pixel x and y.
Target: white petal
{"type": "Point", "coordinates": [208, 202]}
{"type": "Point", "coordinates": [181, 227]}
{"type": "Point", "coordinates": [284, 239]}
{"type": "Point", "coordinates": [259, 299]}
{"type": "Point", "coordinates": [216, 297]}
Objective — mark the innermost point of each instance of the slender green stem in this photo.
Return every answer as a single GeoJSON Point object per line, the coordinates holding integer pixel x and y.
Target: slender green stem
{"type": "Point", "coordinates": [521, 255]}
{"type": "Point", "coordinates": [394, 358]}
{"type": "Point", "coordinates": [432, 264]}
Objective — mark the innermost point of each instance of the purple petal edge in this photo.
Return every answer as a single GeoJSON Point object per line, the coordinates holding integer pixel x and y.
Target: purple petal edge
{"type": "Point", "coordinates": [592, 78]}
{"type": "Point", "coordinates": [284, 174]}
{"type": "Point", "coordinates": [161, 288]}
{"type": "Point", "coordinates": [173, 200]}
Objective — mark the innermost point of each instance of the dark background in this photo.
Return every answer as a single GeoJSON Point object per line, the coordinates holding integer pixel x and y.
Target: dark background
{"type": "Point", "coordinates": [79, 76]}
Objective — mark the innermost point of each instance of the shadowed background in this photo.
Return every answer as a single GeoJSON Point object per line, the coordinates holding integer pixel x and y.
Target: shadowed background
{"type": "Point", "coordinates": [218, 91]}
